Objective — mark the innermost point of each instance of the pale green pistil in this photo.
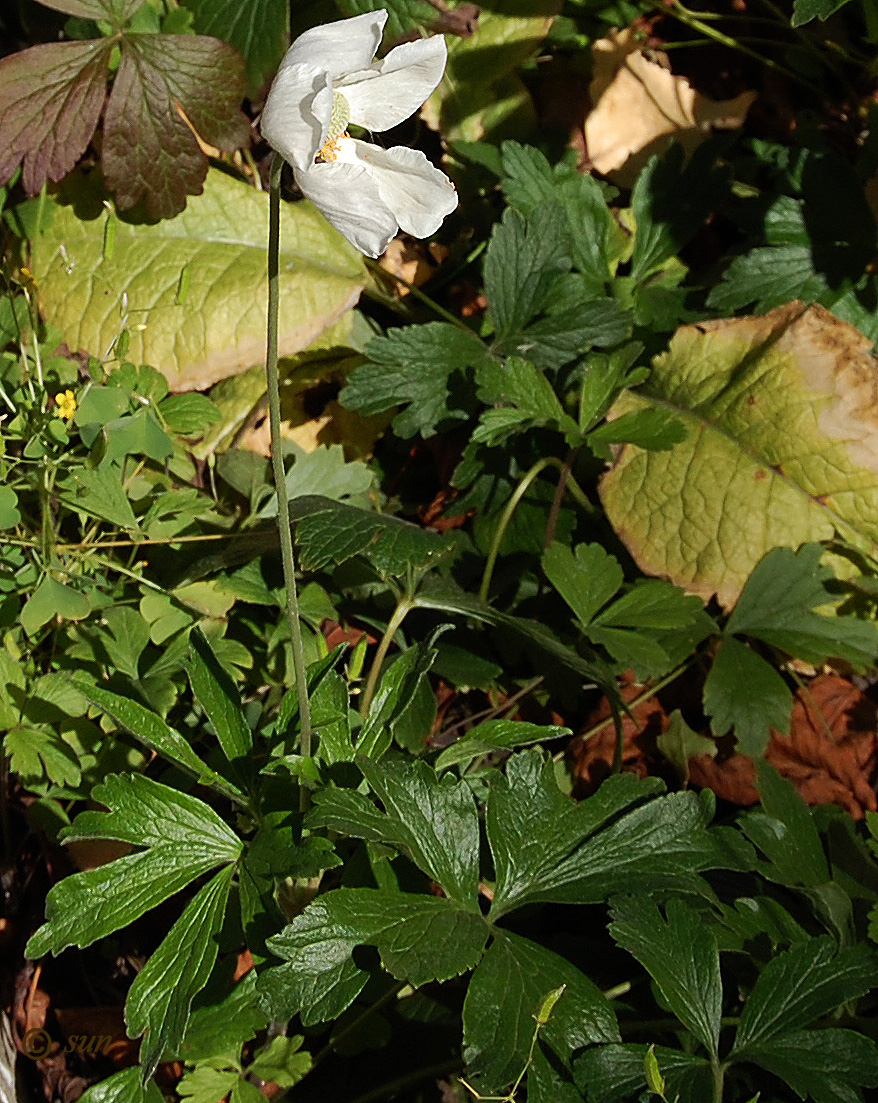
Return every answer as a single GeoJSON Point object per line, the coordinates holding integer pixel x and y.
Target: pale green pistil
{"type": "Point", "coordinates": [338, 124]}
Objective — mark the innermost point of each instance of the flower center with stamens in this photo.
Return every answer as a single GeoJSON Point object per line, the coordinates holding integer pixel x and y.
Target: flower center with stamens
{"type": "Point", "coordinates": [338, 123]}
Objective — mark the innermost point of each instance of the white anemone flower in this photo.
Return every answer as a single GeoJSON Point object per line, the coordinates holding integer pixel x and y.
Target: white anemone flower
{"type": "Point", "coordinates": [328, 79]}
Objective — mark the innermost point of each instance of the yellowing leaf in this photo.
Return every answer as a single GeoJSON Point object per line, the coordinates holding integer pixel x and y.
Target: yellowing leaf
{"type": "Point", "coordinates": [218, 328]}
{"type": "Point", "coordinates": [640, 106]}
{"type": "Point", "coordinates": [781, 448]}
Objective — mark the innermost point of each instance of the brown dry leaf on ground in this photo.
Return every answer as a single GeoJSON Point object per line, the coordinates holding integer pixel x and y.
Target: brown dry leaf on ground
{"type": "Point", "coordinates": [829, 755]}
{"type": "Point", "coordinates": [593, 758]}
{"type": "Point", "coordinates": [639, 106]}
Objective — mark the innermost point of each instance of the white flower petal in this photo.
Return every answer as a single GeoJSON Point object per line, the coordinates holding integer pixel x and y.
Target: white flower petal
{"type": "Point", "coordinates": [341, 47]}
{"type": "Point", "coordinates": [297, 111]}
{"type": "Point", "coordinates": [418, 194]}
{"type": "Point", "coordinates": [394, 88]}
{"type": "Point", "coordinates": [347, 196]}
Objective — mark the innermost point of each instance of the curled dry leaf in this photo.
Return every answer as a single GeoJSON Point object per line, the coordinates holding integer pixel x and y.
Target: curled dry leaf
{"type": "Point", "coordinates": [639, 107]}
{"type": "Point", "coordinates": [829, 755]}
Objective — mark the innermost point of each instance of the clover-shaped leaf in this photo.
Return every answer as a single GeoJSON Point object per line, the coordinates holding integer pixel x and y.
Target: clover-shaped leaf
{"type": "Point", "coordinates": [168, 89]}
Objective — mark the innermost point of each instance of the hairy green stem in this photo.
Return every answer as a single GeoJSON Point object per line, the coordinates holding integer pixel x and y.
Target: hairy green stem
{"type": "Point", "coordinates": [277, 461]}
{"type": "Point", "coordinates": [403, 608]}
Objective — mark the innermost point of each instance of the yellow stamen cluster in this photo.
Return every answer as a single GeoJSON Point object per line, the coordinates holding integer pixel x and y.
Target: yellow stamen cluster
{"type": "Point", "coordinates": [65, 404]}
{"type": "Point", "coordinates": [331, 148]}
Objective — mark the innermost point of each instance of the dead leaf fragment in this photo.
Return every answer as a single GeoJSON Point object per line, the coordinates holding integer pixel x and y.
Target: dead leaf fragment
{"type": "Point", "coordinates": [593, 758]}
{"type": "Point", "coordinates": [829, 755]}
{"type": "Point", "coordinates": [639, 107]}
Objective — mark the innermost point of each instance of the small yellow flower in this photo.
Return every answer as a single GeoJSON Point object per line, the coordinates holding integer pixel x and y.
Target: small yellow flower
{"type": "Point", "coordinates": [65, 404]}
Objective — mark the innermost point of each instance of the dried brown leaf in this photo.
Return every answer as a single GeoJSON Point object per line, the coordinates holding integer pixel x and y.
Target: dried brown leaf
{"type": "Point", "coordinates": [639, 107]}
{"type": "Point", "coordinates": [829, 755]}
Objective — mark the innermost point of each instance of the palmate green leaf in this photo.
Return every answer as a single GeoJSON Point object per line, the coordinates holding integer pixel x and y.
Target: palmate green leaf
{"type": "Point", "coordinates": [35, 753]}
{"type": "Point", "coordinates": [784, 830]}
{"type": "Point", "coordinates": [162, 992]}
{"type": "Point", "coordinates": [614, 1073]}
{"type": "Point", "coordinates": [680, 954]}
{"type": "Point", "coordinates": [411, 367]}
{"type": "Point", "coordinates": [670, 202]}
{"type": "Point", "coordinates": [329, 533]}
{"type": "Point", "coordinates": [587, 577]}
{"type": "Point", "coordinates": [744, 692]}
{"type": "Point", "coordinates": [504, 996]}
{"type": "Point", "coordinates": [218, 245]}
{"type": "Point", "coordinates": [651, 626]}
{"type": "Point", "coordinates": [281, 1061]}
{"type": "Point", "coordinates": [597, 242]}
{"type": "Point", "coordinates": [123, 1087]}
{"type": "Point", "coordinates": [186, 838]}
{"type": "Point", "coordinates": [259, 31]}
{"type": "Point", "coordinates": [216, 693]}
{"type": "Point", "coordinates": [149, 728]}
{"type": "Point", "coordinates": [206, 1083]}
{"type": "Point", "coordinates": [828, 1066]}
{"type": "Point", "coordinates": [419, 939]}
{"type": "Point", "coordinates": [397, 692]}
{"type": "Point", "coordinates": [543, 853]}
{"type": "Point", "coordinates": [800, 985]}
{"type": "Point", "coordinates": [532, 827]}
{"type": "Point", "coordinates": [217, 1026]}
{"type": "Point", "coordinates": [495, 735]}
{"type": "Point", "coordinates": [776, 452]}
{"type": "Point", "coordinates": [528, 399]}
{"type": "Point", "coordinates": [525, 257]}
{"type": "Point", "coordinates": [806, 10]}
{"type": "Point", "coordinates": [778, 602]}
{"type": "Point", "coordinates": [434, 821]}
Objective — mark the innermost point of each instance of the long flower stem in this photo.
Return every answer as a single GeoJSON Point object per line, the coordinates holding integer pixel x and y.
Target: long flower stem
{"type": "Point", "coordinates": [277, 461]}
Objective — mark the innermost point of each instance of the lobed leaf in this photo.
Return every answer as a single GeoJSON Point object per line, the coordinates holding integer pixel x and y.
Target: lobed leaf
{"type": "Point", "coordinates": [680, 954]}
{"type": "Point", "coordinates": [50, 101]}
{"type": "Point", "coordinates": [160, 997]}
{"type": "Point", "coordinates": [503, 998]}
{"type": "Point", "coordinates": [166, 86]}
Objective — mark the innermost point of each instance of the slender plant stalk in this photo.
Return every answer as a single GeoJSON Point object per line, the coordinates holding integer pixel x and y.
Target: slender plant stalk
{"type": "Point", "coordinates": [571, 484]}
{"type": "Point", "coordinates": [403, 608]}
{"type": "Point", "coordinates": [277, 461]}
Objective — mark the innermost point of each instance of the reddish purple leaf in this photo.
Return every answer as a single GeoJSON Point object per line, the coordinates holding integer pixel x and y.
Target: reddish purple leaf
{"type": "Point", "coordinates": [149, 150]}
{"type": "Point", "coordinates": [113, 11]}
{"type": "Point", "coordinates": [50, 101]}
